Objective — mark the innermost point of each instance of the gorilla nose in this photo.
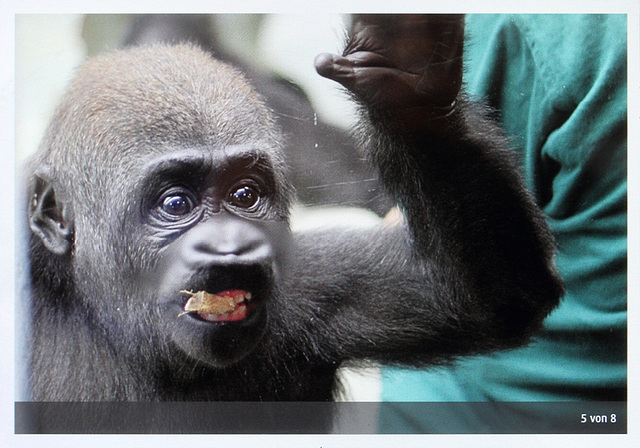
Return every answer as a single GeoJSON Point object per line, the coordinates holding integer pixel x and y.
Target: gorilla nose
{"type": "Point", "coordinates": [238, 247]}
{"type": "Point", "coordinates": [234, 242]}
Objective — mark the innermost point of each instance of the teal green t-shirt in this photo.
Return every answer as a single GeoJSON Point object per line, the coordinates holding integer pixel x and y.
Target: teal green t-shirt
{"type": "Point", "coordinates": [558, 84]}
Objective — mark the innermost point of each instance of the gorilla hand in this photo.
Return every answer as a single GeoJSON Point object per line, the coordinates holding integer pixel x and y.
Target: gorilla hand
{"type": "Point", "coordinates": [408, 67]}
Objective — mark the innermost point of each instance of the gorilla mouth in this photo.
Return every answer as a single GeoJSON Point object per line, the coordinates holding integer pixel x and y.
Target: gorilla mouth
{"type": "Point", "coordinates": [224, 306]}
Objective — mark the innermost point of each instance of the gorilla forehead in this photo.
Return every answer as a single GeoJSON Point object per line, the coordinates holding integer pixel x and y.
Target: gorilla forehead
{"type": "Point", "coordinates": [147, 98]}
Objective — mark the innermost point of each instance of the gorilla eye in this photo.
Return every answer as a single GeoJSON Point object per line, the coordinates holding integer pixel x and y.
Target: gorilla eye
{"type": "Point", "coordinates": [244, 196]}
{"type": "Point", "coordinates": [177, 205]}
{"type": "Point", "coordinates": [174, 205]}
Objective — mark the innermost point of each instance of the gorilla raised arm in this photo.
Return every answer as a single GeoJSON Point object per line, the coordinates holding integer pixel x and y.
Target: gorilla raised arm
{"type": "Point", "coordinates": [162, 264]}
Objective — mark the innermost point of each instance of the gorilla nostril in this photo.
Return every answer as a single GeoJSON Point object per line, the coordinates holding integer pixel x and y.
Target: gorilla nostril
{"type": "Point", "coordinates": [226, 247]}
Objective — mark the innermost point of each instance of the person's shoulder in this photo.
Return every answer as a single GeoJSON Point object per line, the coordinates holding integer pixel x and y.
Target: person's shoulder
{"type": "Point", "coordinates": [570, 52]}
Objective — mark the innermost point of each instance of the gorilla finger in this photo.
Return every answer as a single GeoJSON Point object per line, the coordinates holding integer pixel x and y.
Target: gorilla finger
{"type": "Point", "coordinates": [336, 68]}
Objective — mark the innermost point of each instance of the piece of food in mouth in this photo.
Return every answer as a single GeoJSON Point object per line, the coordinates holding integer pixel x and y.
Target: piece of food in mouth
{"type": "Point", "coordinates": [222, 306]}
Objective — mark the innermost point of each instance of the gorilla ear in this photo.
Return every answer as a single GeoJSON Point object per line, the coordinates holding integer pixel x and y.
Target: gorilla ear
{"type": "Point", "coordinates": [50, 219]}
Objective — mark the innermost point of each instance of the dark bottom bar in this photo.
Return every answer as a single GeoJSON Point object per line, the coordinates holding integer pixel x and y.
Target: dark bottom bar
{"type": "Point", "coordinates": [319, 418]}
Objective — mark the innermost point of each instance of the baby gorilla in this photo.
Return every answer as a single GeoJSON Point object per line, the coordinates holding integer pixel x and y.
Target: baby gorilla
{"type": "Point", "coordinates": [160, 185]}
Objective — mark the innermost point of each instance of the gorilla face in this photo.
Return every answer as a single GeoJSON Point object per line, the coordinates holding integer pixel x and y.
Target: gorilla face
{"type": "Point", "coordinates": [211, 214]}
{"type": "Point", "coordinates": [196, 221]}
